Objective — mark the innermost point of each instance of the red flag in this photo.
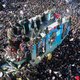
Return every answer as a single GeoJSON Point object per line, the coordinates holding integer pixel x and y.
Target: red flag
{"type": "Point", "coordinates": [56, 15]}
{"type": "Point", "coordinates": [77, 77]}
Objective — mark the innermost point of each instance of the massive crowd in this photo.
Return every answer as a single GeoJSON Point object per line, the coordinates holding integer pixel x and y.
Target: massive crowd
{"type": "Point", "coordinates": [10, 17]}
{"type": "Point", "coordinates": [13, 9]}
{"type": "Point", "coordinates": [29, 8]}
{"type": "Point", "coordinates": [64, 65]}
{"type": "Point", "coordinates": [65, 62]}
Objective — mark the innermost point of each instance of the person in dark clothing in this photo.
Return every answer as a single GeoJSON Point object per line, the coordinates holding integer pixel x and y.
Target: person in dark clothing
{"type": "Point", "coordinates": [17, 44]}
{"type": "Point", "coordinates": [26, 26]}
{"type": "Point", "coordinates": [14, 30]}
{"type": "Point", "coordinates": [73, 69]}
{"type": "Point", "coordinates": [2, 61]}
{"type": "Point", "coordinates": [12, 77]}
{"type": "Point", "coordinates": [43, 18]}
{"type": "Point", "coordinates": [38, 23]}
{"type": "Point", "coordinates": [32, 24]}
{"type": "Point", "coordinates": [1, 7]}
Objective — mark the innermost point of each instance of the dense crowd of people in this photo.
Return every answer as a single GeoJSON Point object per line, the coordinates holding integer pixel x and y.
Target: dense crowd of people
{"type": "Point", "coordinates": [13, 31]}
{"type": "Point", "coordinates": [13, 9]}
{"type": "Point", "coordinates": [29, 8]}
{"type": "Point", "coordinates": [64, 65]}
{"type": "Point", "coordinates": [65, 62]}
